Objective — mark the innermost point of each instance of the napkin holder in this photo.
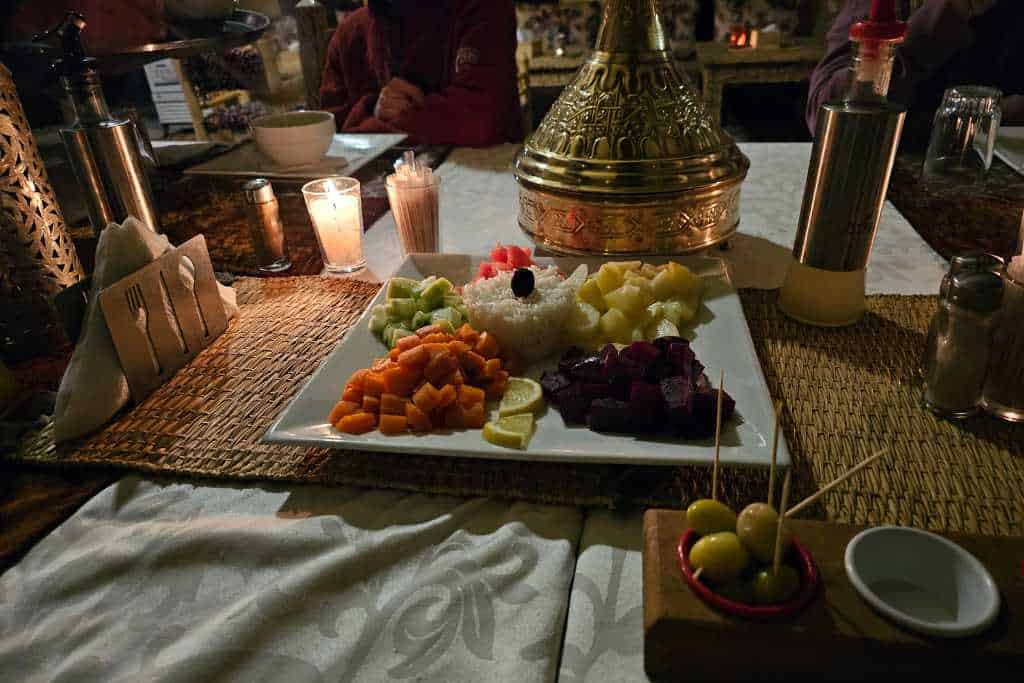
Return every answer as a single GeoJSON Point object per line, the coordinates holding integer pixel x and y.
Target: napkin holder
{"type": "Point", "coordinates": [158, 321]}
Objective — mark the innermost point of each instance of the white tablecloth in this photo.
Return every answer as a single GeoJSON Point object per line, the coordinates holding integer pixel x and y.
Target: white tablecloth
{"type": "Point", "coordinates": [172, 581]}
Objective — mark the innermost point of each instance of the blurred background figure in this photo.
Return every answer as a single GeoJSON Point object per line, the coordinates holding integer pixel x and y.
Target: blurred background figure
{"type": "Point", "coordinates": [444, 72]}
{"type": "Point", "coordinates": [949, 42]}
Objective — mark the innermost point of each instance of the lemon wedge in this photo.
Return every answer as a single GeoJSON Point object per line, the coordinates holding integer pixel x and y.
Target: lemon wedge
{"type": "Point", "coordinates": [522, 395]}
{"type": "Point", "coordinates": [513, 431]}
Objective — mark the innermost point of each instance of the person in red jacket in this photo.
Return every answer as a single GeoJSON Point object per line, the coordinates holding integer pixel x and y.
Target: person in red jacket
{"type": "Point", "coordinates": [443, 72]}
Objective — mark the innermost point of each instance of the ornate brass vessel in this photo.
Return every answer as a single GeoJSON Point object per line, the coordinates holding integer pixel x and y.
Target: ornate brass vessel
{"type": "Point", "coordinates": [627, 161]}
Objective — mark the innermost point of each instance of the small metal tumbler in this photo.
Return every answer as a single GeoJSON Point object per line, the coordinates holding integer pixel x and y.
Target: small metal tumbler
{"type": "Point", "coordinates": [265, 226]}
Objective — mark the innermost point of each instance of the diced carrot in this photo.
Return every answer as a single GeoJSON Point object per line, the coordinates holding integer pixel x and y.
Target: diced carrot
{"type": "Point", "coordinates": [392, 424]}
{"type": "Point", "coordinates": [474, 416]}
{"type": "Point", "coordinates": [447, 395]}
{"type": "Point", "coordinates": [436, 349]}
{"type": "Point", "coordinates": [357, 423]}
{"type": "Point", "coordinates": [455, 416]}
{"type": "Point", "coordinates": [467, 334]}
{"type": "Point", "coordinates": [501, 376]}
{"type": "Point", "coordinates": [356, 380]}
{"type": "Point", "coordinates": [459, 348]}
{"type": "Point", "coordinates": [455, 377]}
{"type": "Point", "coordinates": [416, 357]}
{"type": "Point", "coordinates": [487, 345]}
{"type": "Point", "coordinates": [401, 380]}
{"type": "Point", "coordinates": [468, 395]}
{"type": "Point", "coordinates": [393, 354]}
{"type": "Point", "coordinates": [496, 389]}
{"type": "Point", "coordinates": [429, 329]}
{"type": "Point", "coordinates": [492, 368]}
{"type": "Point", "coordinates": [513, 362]}
{"type": "Point", "coordinates": [341, 409]}
{"type": "Point", "coordinates": [417, 419]}
{"type": "Point", "coordinates": [380, 365]}
{"type": "Point", "coordinates": [436, 338]}
{"type": "Point", "coordinates": [390, 404]}
{"type": "Point", "coordinates": [371, 404]}
{"type": "Point", "coordinates": [427, 397]}
{"type": "Point", "coordinates": [406, 343]}
{"type": "Point", "coordinates": [373, 385]}
{"type": "Point", "coordinates": [473, 363]}
{"type": "Point", "coordinates": [439, 367]}
{"type": "Point", "coordinates": [352, 394]}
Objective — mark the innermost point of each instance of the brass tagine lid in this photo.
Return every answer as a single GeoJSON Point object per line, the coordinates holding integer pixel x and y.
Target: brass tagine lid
{"type": "Point", "coordinates": [627, 159]}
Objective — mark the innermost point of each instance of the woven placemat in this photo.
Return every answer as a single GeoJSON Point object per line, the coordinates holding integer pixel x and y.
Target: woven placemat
{"type": "Point", "coordinates": [847, 393]}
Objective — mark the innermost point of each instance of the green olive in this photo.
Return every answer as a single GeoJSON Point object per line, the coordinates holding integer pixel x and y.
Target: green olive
{"type": "Point", "coordinates": [770, 588]}
{"type": "Point", "coordinates": [720, 555]}
{"type": "Point", "coordinates": [738, 591]}
{"type": "Point", "coordinates": [708, 516]}
{"type": "Point", "coordinates": [757, 526]}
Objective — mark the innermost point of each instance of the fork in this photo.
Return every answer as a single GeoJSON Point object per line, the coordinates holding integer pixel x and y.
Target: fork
{"type": "Point", "coordinates": [137, 307]}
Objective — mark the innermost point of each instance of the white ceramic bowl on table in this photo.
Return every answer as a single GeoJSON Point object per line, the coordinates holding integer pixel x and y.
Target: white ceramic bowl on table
{"type": "Point", "coordinates": [297, 138]}
{"type": "Point", "coordinates": [922, 581]}
{"type": "Point", "coordinates": [199, 9]}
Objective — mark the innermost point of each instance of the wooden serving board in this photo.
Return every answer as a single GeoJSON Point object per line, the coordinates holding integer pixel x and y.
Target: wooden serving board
{"type": "Point", "coordinates": [838, 636]}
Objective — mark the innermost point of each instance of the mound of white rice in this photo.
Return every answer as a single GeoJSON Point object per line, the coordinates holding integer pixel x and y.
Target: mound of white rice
{"type": "Point", "coordinates": [531, 326]}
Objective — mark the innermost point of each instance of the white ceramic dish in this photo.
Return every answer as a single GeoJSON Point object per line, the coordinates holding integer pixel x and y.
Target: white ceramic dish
{"type": "Point", "coordinates": [722, 341]}
{"type": "Point", "coordinates": [296, 138]}
{"type": "Point", "coordinates": [347, 154]}
{"type": "Point", "coordinates": [922, 581]}
{"type": "Point", "coordinates": [1010, 147]}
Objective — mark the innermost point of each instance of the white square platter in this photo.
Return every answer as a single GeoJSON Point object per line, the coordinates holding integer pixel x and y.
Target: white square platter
{"type": "Point", "coordinates": [721, 340]}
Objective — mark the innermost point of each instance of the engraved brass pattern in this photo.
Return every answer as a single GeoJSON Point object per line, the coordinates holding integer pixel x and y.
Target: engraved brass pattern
{"type": "Point", "coordinates": [628, 159]}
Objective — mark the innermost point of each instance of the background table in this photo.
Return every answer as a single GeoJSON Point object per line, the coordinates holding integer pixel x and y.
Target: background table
{"type": "Point", "coordinates": [185, 580]}
{"type": "Point", "coordinates": [722, 65]}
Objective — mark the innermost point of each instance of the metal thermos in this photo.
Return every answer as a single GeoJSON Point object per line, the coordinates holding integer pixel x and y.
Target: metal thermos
{"type": "Point", "coordinates": [106, 153]}
{"type": "Point", "coordinates": [852, 159]}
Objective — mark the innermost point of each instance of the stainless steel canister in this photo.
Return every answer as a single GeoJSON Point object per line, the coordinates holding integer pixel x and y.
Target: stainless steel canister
{"type": "Point", "coordinates": [853, 155]}
{"type": "Point", "coordinates": [265, 226]}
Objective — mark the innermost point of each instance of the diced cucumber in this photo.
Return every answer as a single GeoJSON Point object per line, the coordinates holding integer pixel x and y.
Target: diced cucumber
{"type": "Point", "coordinates": [432, 296]}
{"type": "Point", "coordinates": [447, 313]}
{"type": "Point", "coordinates": [396, 333]}
{"type": "Point", "coordinates": [452, 300]}
{"type": "Point", "coordinates": [378, 319]}
{"type": "Point", "coordinates": [401, 309]}
{"type": "Point", "coordinates": [445, 325]}
{"type": "Point", "coordinates": [420, 319]}
{"type": "Point", "coordinates": [401, 288]}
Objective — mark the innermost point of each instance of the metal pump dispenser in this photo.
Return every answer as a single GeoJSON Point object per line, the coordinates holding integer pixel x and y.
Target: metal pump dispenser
{"type": "Point", "coordinates": [854, 150]}
{"type": "Point", "coordinates": [104, 152]}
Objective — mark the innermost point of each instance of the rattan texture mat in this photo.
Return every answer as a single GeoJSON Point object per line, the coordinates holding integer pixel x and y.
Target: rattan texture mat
{"type": "Point", "coordinates": [847, 392]}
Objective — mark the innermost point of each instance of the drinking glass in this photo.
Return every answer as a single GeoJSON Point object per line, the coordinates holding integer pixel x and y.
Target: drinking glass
{"type": "Point", "coordinates": [415, 204]}
{"type": "Point", "coordinates": [964, 133]}
{"type": "Point", "coordinates": [336, 211]}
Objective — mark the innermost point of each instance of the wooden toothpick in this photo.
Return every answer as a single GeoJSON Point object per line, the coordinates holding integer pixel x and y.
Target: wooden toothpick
{"type": "Point", "coordinates": [836, 482]}
{"type": "Point", "coordinates": [718, 435]}
{"type": "Point", "coordinates": [777, 559]}
{"type": "Point", "coordinates": [775, 452]}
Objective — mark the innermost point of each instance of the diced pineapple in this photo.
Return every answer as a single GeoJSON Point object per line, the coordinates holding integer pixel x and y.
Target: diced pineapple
{"type": "Point", "coordinates": [638, 334]}
{"type": "Point", "coordinates": [629, 299]}
{"type": "Point", "coordinates": [661, 328]}
{"type": "Point", "coordinates": [608, 278]}
{"type": "Point", "coordinates": [686, 281]}
{"type": "Point", "coordinates": [625, 266]}
{"type": "Point", "coordinates": [590, 293]}
{"type": "Point", "coordinates": [649, 270]}
{"type": "Point", "coordinates": [616, 326]}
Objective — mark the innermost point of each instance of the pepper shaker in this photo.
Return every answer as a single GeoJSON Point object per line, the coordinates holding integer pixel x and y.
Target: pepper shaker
{"type": "Point", "coordinates": [956, 356]}
{"type": "Point", "coordinates": [265, 226]}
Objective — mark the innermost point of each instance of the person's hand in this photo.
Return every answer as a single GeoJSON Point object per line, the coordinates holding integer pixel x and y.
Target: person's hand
{"type": "Point", "coordinates": [396, 98]}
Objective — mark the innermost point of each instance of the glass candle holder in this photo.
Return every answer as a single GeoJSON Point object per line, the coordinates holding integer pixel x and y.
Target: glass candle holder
{"type": "Point", "coordinates": [336, 210]}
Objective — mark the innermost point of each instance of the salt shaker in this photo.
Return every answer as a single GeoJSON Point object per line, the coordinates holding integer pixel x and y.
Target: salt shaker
{"type": "Point", "coordinates": [265, 226]}
{"type": "Point", "coordinates": [967, 262]}
{"type": "Point", "coordinates": [959, 338]}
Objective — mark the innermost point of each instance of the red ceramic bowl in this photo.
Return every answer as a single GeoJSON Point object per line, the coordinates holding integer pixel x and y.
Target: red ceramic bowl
{"type": "Point", "coordinates": [803, 563]}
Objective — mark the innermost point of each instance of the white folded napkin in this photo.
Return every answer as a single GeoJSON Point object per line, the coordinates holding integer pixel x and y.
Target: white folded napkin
{"type": "Point", "coordinates": [94, 387]}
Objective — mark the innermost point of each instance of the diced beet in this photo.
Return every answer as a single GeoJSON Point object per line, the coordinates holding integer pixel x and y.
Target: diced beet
{"type": "Point", "coordinates": [611, 368]}
{"type": "Point", "coordinates": [573, 355]}
{"type": "Point", "coordinates": [679, 395]}
{"type": "Point", "coordinates": [681, 358]}
{"type": "Point", "coordinates": [631, 367]}
{"type": "Point", "coordinates": [663, 342]}
{"type": "Point", "coordinates": [596, 390]}
{"type": "Point", "coordinates": [705, 404]}
{"type": "Point", "coordinates": [611, 415]}
{"type": "Point", "coordinates": [587, 370]}
{"type": "Point", "coordinates": [499, 253]}
{"type": "Point", "coordinates": [573, 405]}
{"type": "Point", "coordinates": [552, 383]}
{"type": "Point", "coordinates": [646, 394]}
{"type": "Point", "coordinates": [643, 351]}
{"type": "Point", "coordinates": [620, 387]}
{"type": "Point", "coordinates": [702, 382]}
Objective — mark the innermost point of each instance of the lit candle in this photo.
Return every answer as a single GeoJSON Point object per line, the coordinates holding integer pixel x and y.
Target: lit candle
{"type": "Point", "coordinates": [336, 211]}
